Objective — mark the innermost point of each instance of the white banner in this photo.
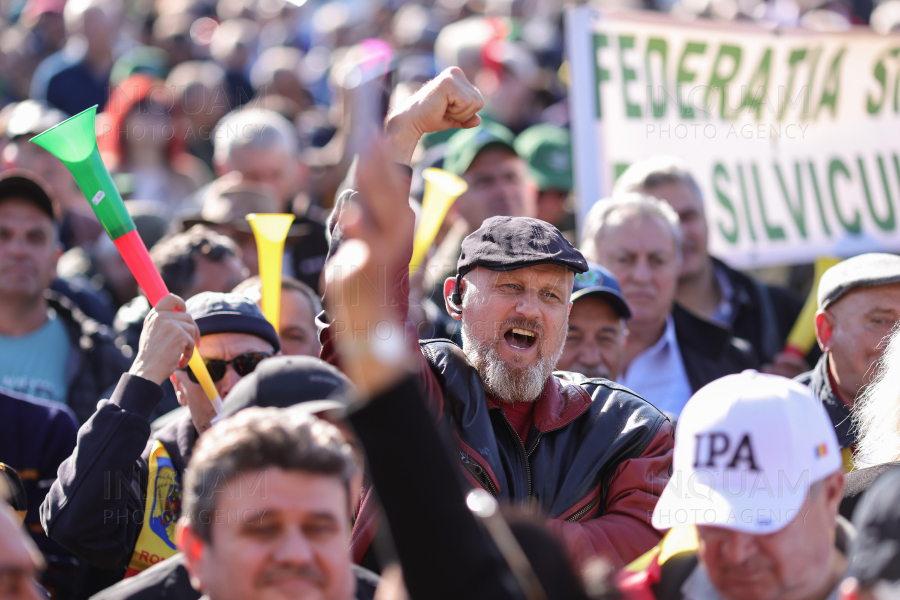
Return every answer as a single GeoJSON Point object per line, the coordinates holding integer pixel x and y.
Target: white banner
{"type": "Point", "coordinates": [793, 136]}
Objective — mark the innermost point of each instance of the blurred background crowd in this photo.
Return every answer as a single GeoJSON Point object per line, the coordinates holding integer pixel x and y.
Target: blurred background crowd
{"type": "Point", "coordinates": [165, 74]}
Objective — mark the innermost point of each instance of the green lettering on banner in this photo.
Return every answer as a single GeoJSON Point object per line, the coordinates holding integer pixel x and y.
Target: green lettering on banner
{"type": "Point", "coordinates": [896, 167]}
{"type": "Point", "coordinates": [686, 76]}
{"type": "Point", "coordinates": [746, 200]}
{"type": "Point", "coordinates": [798, 212]}
{"type": "Point", "coordinates": [632, 110]}
{"type": "Point", "coordinates": [618, 169]}
{"type": "Point", "coordinates": [832, 86]}
{"type": "Point", "coordinates": [887, 223]}
{"type": "Point", "coordinates": [897, 90]}
{"type": "Point", "coordinates": [795, 57]}
{"type": "Point", "coordinates": [601, 74]}
{"type": "Point", "coordinates": [718, 81]}
{"type": "Point", "coordinates": [815, 185]}
{"type": "Point", "coordinates": [773, 232]}
{"type": "Point", "coordinates": [719, 172]}
{"type": "Point", "coordinates": [880, 74]}
{"type": "Point", "coordinates": [813, 60]}
{"type": "Point", "coordinates": [759, 81]}
{"type": "Point", "coordinates": [834, 167]}
{"type": "Point", "coordinates": [660, 47]}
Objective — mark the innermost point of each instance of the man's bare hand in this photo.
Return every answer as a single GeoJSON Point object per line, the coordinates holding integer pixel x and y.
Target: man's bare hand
{"type": "Point", "coordinates": [449, 100]}
{"type": "Point", "coordinates": [358, 285]}
{"type": "Point", "coordinates": [167, 340]}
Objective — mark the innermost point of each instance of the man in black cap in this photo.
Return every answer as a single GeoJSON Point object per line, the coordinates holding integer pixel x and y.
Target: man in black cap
{"type": "Point", "coordinates": [49, 349]}
{"type": "Point", "coordinates": [875, 570]}
{"type": "Point", "coordinates": [590, 454]}
{"type": "Point", "coordinates": [117, 497]}
{"type": "Point", "coordinates": [595, 344]}
{"type": "Point", "coordinates": [280, 382]}
{"type": "Point", "coordinates": [498, 185]}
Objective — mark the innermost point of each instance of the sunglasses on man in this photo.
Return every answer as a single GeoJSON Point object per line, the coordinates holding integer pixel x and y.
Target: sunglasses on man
{"type": "Point", "coordinates": [243, 365]}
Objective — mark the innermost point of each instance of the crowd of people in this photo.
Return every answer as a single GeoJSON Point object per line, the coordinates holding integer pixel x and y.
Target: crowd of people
{"type": "Point", "coordinates": [540, 410]}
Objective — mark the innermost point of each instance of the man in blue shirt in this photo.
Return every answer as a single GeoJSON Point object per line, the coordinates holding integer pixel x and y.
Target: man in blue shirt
{"type": "Point", "coordinates": [32, 337]}
{"type": "Point", "coordinates": [48, 348]}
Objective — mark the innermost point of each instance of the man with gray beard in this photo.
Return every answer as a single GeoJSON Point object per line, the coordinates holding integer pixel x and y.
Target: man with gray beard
{"type": "Point", "coordinates": [587, 453]}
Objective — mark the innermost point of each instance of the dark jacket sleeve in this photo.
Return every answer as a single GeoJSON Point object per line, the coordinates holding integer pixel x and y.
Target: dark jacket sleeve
{"type": "Point", "coordinates": [624, 531]}
{"type": "Point", "coordinates": [95, 507]}
{"type": "Point", "coordinates": [59, 441]}
{"type": "Point", "coordinates": [450, 557]}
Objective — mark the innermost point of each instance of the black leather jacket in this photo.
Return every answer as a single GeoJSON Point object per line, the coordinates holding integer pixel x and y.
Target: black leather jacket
{"type": "Point", "coordinates": [595, 460]}
{"type": "Point", "coordinates": [583, 429]}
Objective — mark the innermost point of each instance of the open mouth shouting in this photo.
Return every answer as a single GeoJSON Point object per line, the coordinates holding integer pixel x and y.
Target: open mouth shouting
{"type": "Point", "coordinates": [520, 339]}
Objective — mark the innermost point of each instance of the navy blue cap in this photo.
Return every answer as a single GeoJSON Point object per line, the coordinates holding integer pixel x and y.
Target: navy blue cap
{"type": "Point", "coordinates": [283, 381]}
{"type": "Point", "coordinates": [508, 243]}
{"type": "Point", "coordinates": [598, 281]}
{"type": "Point", "coordinates": [214, 312]}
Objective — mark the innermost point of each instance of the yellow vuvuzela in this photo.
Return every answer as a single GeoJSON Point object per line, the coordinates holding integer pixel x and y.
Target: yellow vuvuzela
{"type": "Point", "coordinates": [441, 191]}
{"type": "Point", "coordinates": [270, 231]}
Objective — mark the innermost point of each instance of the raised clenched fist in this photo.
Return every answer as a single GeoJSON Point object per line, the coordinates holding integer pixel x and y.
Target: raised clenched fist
{"type": "Point", "coordinates": [449, 100]}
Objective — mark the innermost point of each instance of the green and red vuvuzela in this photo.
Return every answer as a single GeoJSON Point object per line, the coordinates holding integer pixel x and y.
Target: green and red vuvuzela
{"type": "Point", "coordinates": [74, 142]}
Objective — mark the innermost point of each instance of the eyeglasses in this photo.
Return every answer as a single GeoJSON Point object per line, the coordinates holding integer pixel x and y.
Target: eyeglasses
{"type": "Point", "coordinates": [243, 365]}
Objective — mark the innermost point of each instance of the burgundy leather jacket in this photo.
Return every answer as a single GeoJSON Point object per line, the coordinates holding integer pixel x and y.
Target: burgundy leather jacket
{"type": "Point", "coordinates": [595, 461]}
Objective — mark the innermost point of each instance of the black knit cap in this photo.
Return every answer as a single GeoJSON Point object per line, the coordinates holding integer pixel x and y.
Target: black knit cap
{"type": "Point", "coordinates": [508, 243]}
{"type": "Point", "coordinates": [214, 312]}
{"type": "Point", "coordinates": [284, 381]}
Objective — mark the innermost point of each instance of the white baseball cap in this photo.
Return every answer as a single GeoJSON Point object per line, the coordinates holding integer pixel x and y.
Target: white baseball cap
{"type": "Point", "coordinates": [748, 447]}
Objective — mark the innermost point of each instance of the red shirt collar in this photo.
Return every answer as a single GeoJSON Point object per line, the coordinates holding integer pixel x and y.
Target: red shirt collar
{"type": "Point", "coordinates": [558, 405]}
{"type": "Point", "coordinates": [834, 389]}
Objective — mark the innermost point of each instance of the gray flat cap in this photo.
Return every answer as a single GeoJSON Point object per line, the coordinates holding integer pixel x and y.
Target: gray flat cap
{"type": "Point", "coordinates": [865, 270]}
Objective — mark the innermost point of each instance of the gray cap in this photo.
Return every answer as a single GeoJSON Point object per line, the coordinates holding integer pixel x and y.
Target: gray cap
{"type": "Point", "coordinates": [865, 270]}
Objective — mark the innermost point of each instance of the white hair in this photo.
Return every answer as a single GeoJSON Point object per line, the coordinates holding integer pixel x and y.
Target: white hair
{"type": "Point", "coordinates": [618, 208]}
{"type": "Point", "coordinates": [876, 413]}
{"type": "Point", "coordinates": [253, 128]}
{"type": "Point", "coordinates": [645, 175]}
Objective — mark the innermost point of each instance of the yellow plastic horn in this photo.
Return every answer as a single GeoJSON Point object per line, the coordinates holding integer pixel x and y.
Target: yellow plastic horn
{"type": "Point", "coordinates": [803, 334]}
{"type": "Point", "coordinates": [441, 191]}
{"type": "Point", "coordinates": [270, 231]}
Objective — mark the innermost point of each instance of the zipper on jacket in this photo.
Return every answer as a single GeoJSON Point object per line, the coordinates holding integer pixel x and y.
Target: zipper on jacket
{"type": "Point", "coordinates": [525, 454]}
{"type": "Point", "coordinates": [585, 510]}
{"type": "Point", "coordinates": [483, 476]}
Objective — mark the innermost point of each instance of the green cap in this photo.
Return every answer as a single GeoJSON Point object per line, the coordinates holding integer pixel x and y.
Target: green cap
{"type": "Point", "coordinates": [548, 151]}
{"type": "Point", "coordinates": [465, 144]}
